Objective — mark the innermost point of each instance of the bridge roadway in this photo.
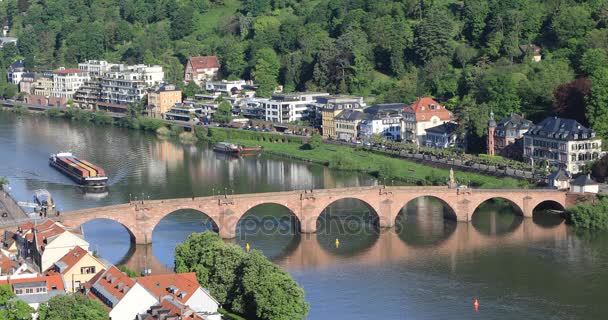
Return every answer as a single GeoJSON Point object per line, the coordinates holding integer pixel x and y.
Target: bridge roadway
{"type": "Point", "coordinates": [141, 217]}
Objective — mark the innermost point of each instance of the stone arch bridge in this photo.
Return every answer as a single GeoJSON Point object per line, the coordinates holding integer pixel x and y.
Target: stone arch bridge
{"type": "Point", "coordinates": [141, 217]}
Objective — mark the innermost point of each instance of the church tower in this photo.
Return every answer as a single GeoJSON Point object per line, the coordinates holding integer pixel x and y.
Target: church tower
{"type": "Point", "coordinates": [491, 128]}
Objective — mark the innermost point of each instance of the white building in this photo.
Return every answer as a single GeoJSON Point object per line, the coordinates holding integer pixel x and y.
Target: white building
{"type": "Point", "coordinates": [67, 81]}
{"type": "Point", "coordinates": [563, 143]}
{"type": "Point", "coordinates": [201, 69]}
{"type": "Point", "coordinates": [383, 120]}
{"type": "Point", "coordinates": [289, 107]}
{"type": "Point", "coordinates": [424, 113]}
{"type": "Point", "coordinates": [15, 72]}
{"type": "Point", "coordinates": [183, 288]}
{"type": "Point", "coordinates": [225, 86]}
{"type": "Point", "coordinates": [96, 67]}
{"type": "Point", "coordinates": [125, 297]}
{"type": "Point", "coordinates": [123, 85]}
{"type": "Point", "coordinates": [584, 184]}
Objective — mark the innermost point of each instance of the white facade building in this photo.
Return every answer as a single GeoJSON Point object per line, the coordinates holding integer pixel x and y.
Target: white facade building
{"type": "Point", "coordinates": [384, 120]}
{"type": "Point", "coordinates": [285, 108]}
{"type": "Point", "coordinates": [562, 142]}
{"type": "Point", "coordinates": [67, 81]}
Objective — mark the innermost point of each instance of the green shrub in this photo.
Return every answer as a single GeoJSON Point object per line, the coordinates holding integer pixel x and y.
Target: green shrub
{"type": "Point", "coordinates": [591, 216]}
{"type": "Point", "coordinates": [19, 109]}
{"type": "Point", "coordinates": [101, 117]}
{"type": "Point", "coordinates": [54, 112]}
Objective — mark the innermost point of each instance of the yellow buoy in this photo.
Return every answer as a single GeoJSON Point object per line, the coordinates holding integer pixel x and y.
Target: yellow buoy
{"type": "Point", "coordinates": [337, 243]}
{"type": "Point", "coordinates": [247, 248]}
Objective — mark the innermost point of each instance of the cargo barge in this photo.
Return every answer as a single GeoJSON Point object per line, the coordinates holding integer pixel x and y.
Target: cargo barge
{"type": "Point", "coordinates": [81, 171]}
{"type": "Point", "coordinates": [233, 149]}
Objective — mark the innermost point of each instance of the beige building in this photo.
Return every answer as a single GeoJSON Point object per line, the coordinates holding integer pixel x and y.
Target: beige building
{"type": "Point", "coordinates": [347, 125]}
{"type": "Point", "coordinates": [201, 69]}
{"type": "Point", "coordinates": [43, 86]}
{"type": "Point", "coordinates": [77, 267]}
{"type": "Point", "coordinates": [162, 99]}
{"type": "Point", "coordinates": [424, 113]}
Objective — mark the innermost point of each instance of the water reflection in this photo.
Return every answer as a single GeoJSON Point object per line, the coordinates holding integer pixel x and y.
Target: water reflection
{"type": "Point", "coordinates": [271, 228]}
{"type": "Point", "coordinates": [496, 217]}
{"type": "Point", "coordinates": [347, 227]}
{"type": "Point", "coordinates": [423, 222]}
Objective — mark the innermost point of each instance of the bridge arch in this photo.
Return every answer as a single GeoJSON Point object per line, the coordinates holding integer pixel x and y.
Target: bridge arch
{"type": "Point", "coordinates": [548, 214]}
{"type": "Point", "coordinates": [448, 213]}
{"type": "Point", "coordinates": [425, 221]}
{"type": "Point", "coordinates": [269, 218]}
{"type": "Point", "coordinates": [344, 220]}
{"type": "Point", "coordinates": [497, 216]}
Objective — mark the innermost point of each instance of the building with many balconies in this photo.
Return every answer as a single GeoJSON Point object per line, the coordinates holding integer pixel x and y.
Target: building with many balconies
{"type": "Point", "coordinates": [67, 80]}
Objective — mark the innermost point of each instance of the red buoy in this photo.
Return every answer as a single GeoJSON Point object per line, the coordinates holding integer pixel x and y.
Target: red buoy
{"type": "Point", "coordinates": [476, 305]}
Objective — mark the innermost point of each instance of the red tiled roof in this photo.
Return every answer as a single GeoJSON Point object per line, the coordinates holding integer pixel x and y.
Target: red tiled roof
{"type": "Point", "coordinates": [159, 285]}
{"type": "Point", "coordinates": [206, 62]}
{"type": "Point", "coordinates": [70, 259]}
{"type": "Point", "coordinates": [6, 264]}
{"type": "Point", "coordinates": [69, 70]}
{"type": "Point", "coordinates": [110, 280]}
{"type": "Point", "coordinates": [51, 281]}
{"type": "Point", "coordinates": [424, 108]}
{"type": "Point", "coordinates": [168, 309]}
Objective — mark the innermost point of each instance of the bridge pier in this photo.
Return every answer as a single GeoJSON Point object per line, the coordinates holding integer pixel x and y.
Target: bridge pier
{"type": "Point", "coordinates": [139, 236]}
{"type": "Point", "coordinates": [308, 224]}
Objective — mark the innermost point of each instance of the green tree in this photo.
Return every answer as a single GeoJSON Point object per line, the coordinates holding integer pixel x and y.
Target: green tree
{"type": "Point", "coordinates": [266, 71]}
{"type": "Point", "coordinates": [72, 306]}
{"type": "Point", "coordinates": [223, 113]}
{"type": "Point", "coordinates": [215, 263]}
{"type": "Point", "coordinates": [597, 102]}
{"type": "Point", "coordinates": [12, 308]}
{"type": "Point", "coordinates": [267, 292]}
{"type": "Point", "coordinates": [190, 90]}
{"type": "Point", "coordinates": [314, 142]}
{"type": "Point", "coordinates": [433, 36]}
{"type": "Point", "coordinates": [182, 22]}
{"type": "Point", "coordinates": [572, 22]}
{"type": "Point", "coordinates": [593, 59]}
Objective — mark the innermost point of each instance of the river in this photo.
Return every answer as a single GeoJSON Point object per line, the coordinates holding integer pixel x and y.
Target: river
{"type": "Point", "coordinates": [426, 268]}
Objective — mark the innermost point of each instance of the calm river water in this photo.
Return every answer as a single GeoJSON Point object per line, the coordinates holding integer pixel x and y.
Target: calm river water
{"type": "Point", "coordinates": [427, 268]}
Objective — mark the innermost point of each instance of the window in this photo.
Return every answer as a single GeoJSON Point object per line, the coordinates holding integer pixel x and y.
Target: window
{"type": "Point", "coordinates": [18, 291]}
{"type": "Point", "coordinates": [87, 270]}
{"type": "Point", "coordinates": [29, 290]}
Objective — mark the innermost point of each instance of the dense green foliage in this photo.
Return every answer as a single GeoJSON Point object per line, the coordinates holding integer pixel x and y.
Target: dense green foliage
{"type": "Point", "coordinates": [72, 306]}
{"type": "Point", "coordinates": [249, 283]}
{"type": "Point", "coordinates": [467, 52]}
{"type": "Point", "coordinates": [127, 271]}
{"type": "Point", "coordinates": [12, 308]}
{"type": "Point", "coordinates": [223, 113]}
{"type": "Point", "coordinates": [590, 216]}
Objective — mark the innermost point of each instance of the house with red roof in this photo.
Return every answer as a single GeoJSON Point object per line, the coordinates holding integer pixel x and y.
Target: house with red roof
{"type": "Point", "coordinates": [201, 69]}
{"type": "Point", "coordinates": [121, 295]}
{"type": "Point", "coordinates": [170, 309]}
{"type": "Point", "coordinates": [46, 242]}
{"type": "Point", "coordinates": [182, 288]}
{"type": "Point", "coordinates": [423, 114]}
{"type": "Point", "coordinates": [34, 289]}
{"type": "Point", "coordinates": [77, 267]}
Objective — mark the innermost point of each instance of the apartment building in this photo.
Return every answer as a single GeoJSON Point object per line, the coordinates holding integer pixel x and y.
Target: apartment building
{"type": "Point", "coordinates": [67, 80]}
{"type": "Point", "coordinates": [290, 107]}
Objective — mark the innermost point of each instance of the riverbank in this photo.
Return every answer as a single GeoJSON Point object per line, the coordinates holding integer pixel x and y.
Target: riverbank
{"type": "Point", "coordinates": [388, 169]}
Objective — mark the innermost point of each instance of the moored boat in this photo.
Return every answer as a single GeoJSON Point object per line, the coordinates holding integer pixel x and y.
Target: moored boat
{"type": "Point", "coordinates": [233, 149]}
{"type": "Point", "coordinates": [81, 171]}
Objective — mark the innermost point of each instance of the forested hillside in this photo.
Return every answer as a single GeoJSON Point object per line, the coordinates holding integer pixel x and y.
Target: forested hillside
{"type": "Point", "coordinates": [465, 52]}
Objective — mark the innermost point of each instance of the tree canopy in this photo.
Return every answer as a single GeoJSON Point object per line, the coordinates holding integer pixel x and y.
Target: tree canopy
{"type": "Point", "coordinates": [72, 306]}
{"type": "Point", "coordinates": [248, 284]}
{"type": "Point", "coordinates": [476, 51]}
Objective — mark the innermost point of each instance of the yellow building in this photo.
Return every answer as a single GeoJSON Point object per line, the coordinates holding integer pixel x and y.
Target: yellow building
{"type": "Point", "coordinates": [76, 267]}
{"type": "Point", "coordinates": [43, 86]}
{"type": "Point", "coordinates": [162, 99]}
{"type": "Point", "coordinates": [331, 106]}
